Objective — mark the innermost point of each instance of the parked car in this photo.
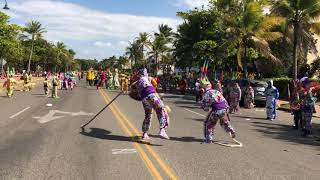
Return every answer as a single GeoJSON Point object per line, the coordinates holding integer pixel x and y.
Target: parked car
{"type": "Point", "coordinates": [258, 86]}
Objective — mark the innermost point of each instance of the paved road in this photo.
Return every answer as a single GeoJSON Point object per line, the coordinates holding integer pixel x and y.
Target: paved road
{"type": "Point", "coordinates": [45, 142]}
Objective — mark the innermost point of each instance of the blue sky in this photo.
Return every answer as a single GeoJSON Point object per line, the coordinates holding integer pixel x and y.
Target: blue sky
{"type": "Point", "coordinates": [98, 28]}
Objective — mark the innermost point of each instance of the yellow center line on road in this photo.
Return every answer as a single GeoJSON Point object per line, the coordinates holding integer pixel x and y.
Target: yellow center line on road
{"type": "Point", "coordinates": [163, 165]}
{"type": "Point", "coordinates": [150, 166]}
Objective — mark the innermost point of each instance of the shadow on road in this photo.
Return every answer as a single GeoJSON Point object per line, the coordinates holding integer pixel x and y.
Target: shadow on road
{"type": "Point", "coordinates": [287, 133]}
{"type": "Point", "coordinates": [190, 107]}
{"type": "Point", "coordinates": [180, 139]}
{"type": "Point", "coordinates": [247, 117]}
{"type": "Point", "coordinates": [105, 134]}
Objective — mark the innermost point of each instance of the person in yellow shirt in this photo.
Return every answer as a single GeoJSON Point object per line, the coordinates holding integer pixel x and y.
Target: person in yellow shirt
{"type": "Point", "coordinates": [9, 85]}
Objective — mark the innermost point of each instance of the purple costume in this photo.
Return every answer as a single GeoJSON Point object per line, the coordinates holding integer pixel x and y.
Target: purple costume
{"type": "Point", "coordinates": [150, 101]}
{"type": "Point", "coordinates": [219, 108]}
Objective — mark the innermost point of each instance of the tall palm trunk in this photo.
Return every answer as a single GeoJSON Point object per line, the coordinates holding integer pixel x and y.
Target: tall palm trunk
{"type": "Point", "coordinates": [156, 61]}
{"type": "Point", "coordinates": [245, 65]}
{"type": "Point", "coordinates": [295, 46]}
{"type": "Point", "coordinates": [31, 53]}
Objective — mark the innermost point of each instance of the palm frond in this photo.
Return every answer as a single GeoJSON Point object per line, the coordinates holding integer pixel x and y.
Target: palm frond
{"type": "Point", "coordinates": [315, 27]}
{"type": "Point", "coordinates": [264, 49]}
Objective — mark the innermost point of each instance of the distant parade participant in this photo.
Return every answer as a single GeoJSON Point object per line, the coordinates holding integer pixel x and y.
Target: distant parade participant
{"type": "Point", "coordinates": [295, 105]}
{"type": "Point", "coordinates": [25, 81]}
{"type": "Point", "coordinates": [46, 86]}
{"type": "Point", "coordinates": [308, 106]}
{"type": "Point", "coordinates": [9, 85]}
{"type": "Point", "coordinates": [116, 83]}
{"type": "Point", "coordinates": [199, 94]}
{"type": "Point", "coordinates": [150, 100]}
{"type": "Point", "coordinates": [272, 94]}
{"type": "Point", "coordinates": [103, 77]}
{"type": "Point", "coordinates": [110, 80]}
{"type": "Point", "coordinates": [248, 96]}
{"type": "Point", "coordinates": [219, 109]}
{"type": "Point", "coordinates": [55, 84]}
{"type": "Point", "coordinates": [183, 85]}
{"type": "Point", "coordinates": [217, 85]}
{"type": "Point", "coordinates": [234, 97]}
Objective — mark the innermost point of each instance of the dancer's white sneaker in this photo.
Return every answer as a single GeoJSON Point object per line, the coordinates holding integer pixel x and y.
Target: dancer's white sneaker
{"type": "Point", "coordinates": [163, 134]}
{"type": "Point", "coordinates": [145, 136]}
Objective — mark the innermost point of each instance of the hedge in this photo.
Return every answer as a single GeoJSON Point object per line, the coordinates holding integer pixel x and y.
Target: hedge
{"type": "Point", "coordinates": [282, 85]}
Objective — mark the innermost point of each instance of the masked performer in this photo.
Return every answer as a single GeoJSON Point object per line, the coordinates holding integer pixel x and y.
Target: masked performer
{"type": "Point", "coordinates": [308, 106]}
{"type": "Point", "coordinates": [151, 101]}
{"type": "Point", "coordinates": [272, 94]}
{"type": "Point", "coordinates": [219, 110]}
{"type": "Point", "coordinates": [295, 105]}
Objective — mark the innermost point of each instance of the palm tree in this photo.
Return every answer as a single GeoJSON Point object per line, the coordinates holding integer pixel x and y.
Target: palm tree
{"type": "Point", "coordinates": [253, 28]}
{"type": "Point", "coordinates": [61, 52]}
{"type": "Point", "coordinates": [34, 28]}
{"type": "Point", "coordinates": [165, 31]}
{"type": "Point", "coordinates": [143, 42]}
{"type": "Point", "coordinates": [133, 52]}
{"type": "Point", "coordinates": [158, 49]}
{"type": "Point", "coordinates": [302, 17]}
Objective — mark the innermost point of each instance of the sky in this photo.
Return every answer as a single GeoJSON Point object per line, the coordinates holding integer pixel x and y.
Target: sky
{"type": "Point", "coordinates": [98, 29]}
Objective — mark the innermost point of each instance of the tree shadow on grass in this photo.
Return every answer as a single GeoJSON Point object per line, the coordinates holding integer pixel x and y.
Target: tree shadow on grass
{"type": "Point", "coordinates": [287, 133]}
{"type": "Point", "coordinates": [105, 134]}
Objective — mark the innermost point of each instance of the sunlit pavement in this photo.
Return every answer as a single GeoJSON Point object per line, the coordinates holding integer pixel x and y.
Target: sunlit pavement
{"type": "Point", "coordinates": [41, 139]}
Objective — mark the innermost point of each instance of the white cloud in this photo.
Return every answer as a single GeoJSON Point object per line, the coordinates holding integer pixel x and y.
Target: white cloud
{"type": "Point", "coordinates": [102, 44]}
{"type": "Point", "coordinates": [191, 3]}
{"type": "Point", "coordinates": [78, 24]}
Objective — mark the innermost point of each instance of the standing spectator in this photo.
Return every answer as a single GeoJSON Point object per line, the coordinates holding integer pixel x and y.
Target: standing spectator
{"type": "Point", "coordinates": [234, 97]}
{"type": "Point", "coordinates": [198, 88]}
{"type": "Point", "coordinates": [248, 96]}
{"type": "Point", "coordinates": [295, 105]}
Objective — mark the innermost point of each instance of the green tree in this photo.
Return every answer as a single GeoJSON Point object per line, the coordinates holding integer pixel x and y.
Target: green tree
{"type": "Point", "coordinates": [35, 29]}
{"type": "Point", "coordinates": [251, 28]}
{"type": "Point", "coordinates": [302, 17]}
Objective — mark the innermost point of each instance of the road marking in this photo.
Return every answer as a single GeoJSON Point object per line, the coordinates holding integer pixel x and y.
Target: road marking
{"type": "Point", "coordinates": [51, 115]}
{"type": "Point", "coordinates": [248, 119]}
{"type": "Point", "coordinates": [150, 166]}
{"type": "Point", "coordinates": [49, 105]}
{"type": "Point", "coordinates": [259, 110]}
{"type": "Point", "coordinates": [124, 151]}
{"type": "Point", "coordinates": [195, 112]}
{"type": "Point", "coordinates": [20, 112]}
{"type": "Point", "coordinates": [163, 165]}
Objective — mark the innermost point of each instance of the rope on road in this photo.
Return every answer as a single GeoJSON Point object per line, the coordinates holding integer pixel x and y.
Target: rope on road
{"type": "Point", "coordinates": [237, 145]}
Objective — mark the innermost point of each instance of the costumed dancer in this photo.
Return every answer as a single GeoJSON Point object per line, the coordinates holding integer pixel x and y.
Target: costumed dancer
{"type": "Point", "coordinates": [234, 97]}
{"type": "Point", "coordinates": [248, 96]}
{"type": "Point", "coordinates": [295, 105]}
{"type": "Point", "coordinates": [151, 101]}
{"type": "Point", "coordinates": [55, 84]}
{"type": "Point", "coordinates": [308, 106]}
{"type": "Point", "coordinates": [219, 110]}
{"type": "Point", "coordinates": [272, 94]}
{"type": "Point", "coordinates": [125, 84]}
{"type": "Point", "coordinates": [9, 85]}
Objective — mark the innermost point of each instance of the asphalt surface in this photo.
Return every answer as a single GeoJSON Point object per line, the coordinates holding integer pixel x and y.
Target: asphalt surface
{"type": "Point", "coordinates": [109, 148]}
